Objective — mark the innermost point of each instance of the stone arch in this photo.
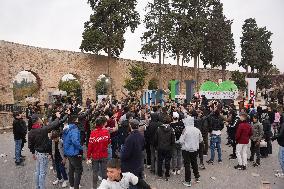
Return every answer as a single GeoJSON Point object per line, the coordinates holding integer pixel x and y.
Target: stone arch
{"type": "Point", "coordinates": [76, 77]}
{"type": "Point", "coordinates": [34, 73]}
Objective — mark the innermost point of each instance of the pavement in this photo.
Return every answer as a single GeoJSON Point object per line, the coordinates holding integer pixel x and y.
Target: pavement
{"type": "Point", "coordinates": [217, 176]}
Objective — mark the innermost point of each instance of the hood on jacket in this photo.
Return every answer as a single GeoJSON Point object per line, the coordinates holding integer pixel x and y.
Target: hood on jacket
{"type": "Point", "coordinates": [188, 121]}
{"type": "Point", "coordinates": [154, 117]}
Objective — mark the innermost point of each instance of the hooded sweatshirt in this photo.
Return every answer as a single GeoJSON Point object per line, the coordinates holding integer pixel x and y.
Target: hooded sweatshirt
{"type": "Point", "coordinates": [165, 137]}
{"type": "Point", "coordinates": [191, 136]}
{"type": "Point", "coordinates": [152, 128]}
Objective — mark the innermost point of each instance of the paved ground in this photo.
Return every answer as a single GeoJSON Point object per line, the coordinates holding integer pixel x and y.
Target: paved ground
{"type": "Point", "coordinates": [12, 177]}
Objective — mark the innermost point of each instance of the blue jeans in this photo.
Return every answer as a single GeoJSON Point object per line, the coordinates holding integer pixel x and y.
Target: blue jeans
{"type": "Point", "coordinates": [60, 170]}
{"type": "Point", "coordinates": [109, 151]}
{"type": "Point", "coordinates": [18, 149]}
{"type": "Point", "coordinates": [281, 157]}
{"type": "Point", "coordinates": [41, 169]}
{"type": "Point", "coordinates": [215, 142]}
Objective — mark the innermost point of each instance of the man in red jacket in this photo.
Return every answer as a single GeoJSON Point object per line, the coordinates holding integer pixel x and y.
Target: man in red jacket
{"type": "Point", "coordinates": [98, 149]}
{"type": "Point", "coordinates": [243, 134]}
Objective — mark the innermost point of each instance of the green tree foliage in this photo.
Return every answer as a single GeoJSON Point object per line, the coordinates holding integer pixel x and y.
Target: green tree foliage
{"type": "Point", "coordinates": [219, 48]}
{"type": "Point", "coordinates": [197, 18]}
{"type": "Point", "coordinates": [249, 44]}
{"type": "Point", "coordinates": [23, 89]}
{"type": "Point", "coordinates": [239, 79]}
{"type": "Point", "coordinates": [137, 80]}
{"type": "Point", "coordinates": [256, 47]}
{"type": "Point", "coordinates": [153, 84]}
{"type": "Point", "coordinates": [107, 25]}
{"type": "Point", "coordinates": [158, 25]}
{"type": "Point", "coordinates": [69, 86]}
{"type": "Point", "coordinates": [102, 86]}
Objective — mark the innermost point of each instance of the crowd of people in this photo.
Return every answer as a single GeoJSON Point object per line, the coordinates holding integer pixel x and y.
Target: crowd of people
{"type": "Point", "coordinates": [119, 139]}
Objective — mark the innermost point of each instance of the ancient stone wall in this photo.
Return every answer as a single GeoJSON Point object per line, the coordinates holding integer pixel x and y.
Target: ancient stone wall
{"type": "Point", "coordinates": [6, 120]}
{"type": "Point", "coordinates": [49, 65]}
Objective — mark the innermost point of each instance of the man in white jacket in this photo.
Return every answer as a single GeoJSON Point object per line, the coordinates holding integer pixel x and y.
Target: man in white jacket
{"type": "Point", "coordinates": [189, 140]}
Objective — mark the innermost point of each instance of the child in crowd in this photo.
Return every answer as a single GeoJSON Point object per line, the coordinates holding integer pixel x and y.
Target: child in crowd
{"type": "Point", "coordinates": [117, 180]}
{"type": "Point", "coordinates": [59, 159]}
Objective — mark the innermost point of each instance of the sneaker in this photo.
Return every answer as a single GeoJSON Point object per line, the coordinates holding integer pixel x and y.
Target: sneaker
{"type": "Point", "coordinates": [239, 167]}
{"type": "Point", "coordinates": [233, 157]}
{"type": "Point", "coordinates": [279, 175]}
{"type": "Point", "coordinates": [256, 164]}
{"type": "Point", "coordinates": [188, 184]}
{"type": "Point", "coordinates": [160, 177]}
{"type": "Point", "coordinates": [244, 167]}
{"type": "Point", "coordinates": [19, 163]}
{"type": "Point", "coordinates": [173, 172]}
{"type": "Point", "coordinates": [210, 161]}
{"type": "Point", "coordinates": [64, 184]}
{"type": "Point", "coordinates": [202, 166]}
{"type": "Point", "coordinates": [197, 180]}
{"type": "Point", "coordinates": [178, 172]}
{"type": "Point", "coordinates": [57, 181]}
{"type": "Point", "coordinates": [148, 166]}
{"type": "Point", "coordinates": [220, 161]}
{"type": "Point", "coordinates": [71, 187]}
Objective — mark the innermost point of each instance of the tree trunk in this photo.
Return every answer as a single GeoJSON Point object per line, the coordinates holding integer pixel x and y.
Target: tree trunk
{"type": "Point", "coordinates": [108, 69]}
{"type": "Point", "coordinates": [177, 70]}
{"type": "Point", "coordinates": [195, 70]}
{"type": "Point", "coordinates": [198, 67]}
{"type": "Point", "coordinates": [223, 72]}
{"type": "Point", "coordinates": [164, 57]}
{"type": "Point", "coordinates": [160, 62]}
{"type": "Point", "coordinates": [181, 74]}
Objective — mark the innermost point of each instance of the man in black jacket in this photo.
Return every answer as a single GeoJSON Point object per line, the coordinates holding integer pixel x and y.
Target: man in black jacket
{"type": "Point", "coordinates": [150, 137]}
{"type": "Point", "coordinates": [19, 131]}
{"type": "Point", "coordinates": [40, 146]}
{"type": "Point", "coordinates": [165, 141]}
{"type": "Point", "coordinates": [132, 152]}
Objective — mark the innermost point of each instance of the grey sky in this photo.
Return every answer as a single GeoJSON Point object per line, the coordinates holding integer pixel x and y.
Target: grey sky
{"type": "Point", "coordinates": [58, 24]}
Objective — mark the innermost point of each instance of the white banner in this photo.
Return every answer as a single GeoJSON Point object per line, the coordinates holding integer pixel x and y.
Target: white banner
{"type": "Point", "coordinates": [251, 82]}
{"type": "Point", "coordinates": [219, 94]}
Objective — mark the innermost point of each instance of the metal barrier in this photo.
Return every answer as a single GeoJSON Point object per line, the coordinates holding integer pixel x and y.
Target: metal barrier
{"type": "Point", "coordinates": [11, 108]}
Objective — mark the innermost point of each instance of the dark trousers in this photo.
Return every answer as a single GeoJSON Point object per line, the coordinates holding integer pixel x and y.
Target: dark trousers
{"type": "Point", "coordinates": [190, 160]}
{"type": "Point", "coordinates": [114, 146]}
{"type": "Point", "coordinates": [99, 166]}
{"type": "Point", "coordinates": [164, 155]}
{"type": "Point", "coordinates": [234, 145]}
{"type": "Point", "coordinates": [148, 153]}
{"type": "Point", "coordinates": [75, 171]}
{"type": "Point", "coordinates": [60, 169]}
{"type": "Point", "coordinates": [206, 145]}
{"type": "Point", "coordinates": [255, 149]}
{"type": "Point", "coordinates": [201, 152]}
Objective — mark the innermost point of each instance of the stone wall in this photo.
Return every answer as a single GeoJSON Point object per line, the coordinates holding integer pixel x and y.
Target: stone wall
{"type": "Point", "coordinates": [49, 66]}
{"type": "Point", "coordinates": [6, 120]}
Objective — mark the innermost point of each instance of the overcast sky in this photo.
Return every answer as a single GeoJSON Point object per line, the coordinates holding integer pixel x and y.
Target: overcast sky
{"type": "Point", "coordinates": [58, 24]}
